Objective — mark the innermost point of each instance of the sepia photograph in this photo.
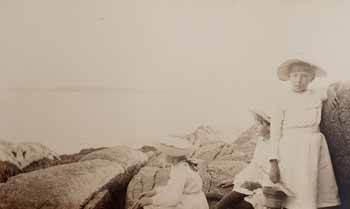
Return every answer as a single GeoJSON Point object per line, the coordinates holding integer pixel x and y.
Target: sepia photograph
{"type": "Point", "coordinates": [175, 104]}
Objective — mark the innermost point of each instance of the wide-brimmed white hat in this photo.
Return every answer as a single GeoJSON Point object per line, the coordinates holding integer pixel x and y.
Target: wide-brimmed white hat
{"type": "Point", "coordinates": [175, 146]}
{"type": "Point", "coordinates": [261, 114]}
{"type": "Point", "coordinates": [284, 69]}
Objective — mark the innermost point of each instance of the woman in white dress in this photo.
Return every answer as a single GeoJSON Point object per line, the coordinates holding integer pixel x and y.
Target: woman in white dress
{"type": "Point", "coordinates": [184, 187]}
{"type": "Point", "coordinates": [299, 157]}
{"type": "Point", "coordinates": [247, 192]}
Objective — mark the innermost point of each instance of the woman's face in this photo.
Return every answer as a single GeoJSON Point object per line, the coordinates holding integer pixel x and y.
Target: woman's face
{"type": "Point", "coordinates": [300, 79]}
{"type": "Point", "coordinates": [261, 128]}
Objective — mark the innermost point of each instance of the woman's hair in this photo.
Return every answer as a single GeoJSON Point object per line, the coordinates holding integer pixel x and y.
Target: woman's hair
{"type": "Point", "coordinates": [265, 123]}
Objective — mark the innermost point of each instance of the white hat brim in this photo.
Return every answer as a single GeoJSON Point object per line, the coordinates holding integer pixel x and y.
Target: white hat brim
{"type": "Point", "coordinates": [261, 114]}
{"type": "Point", "coordinates": [283, 70]}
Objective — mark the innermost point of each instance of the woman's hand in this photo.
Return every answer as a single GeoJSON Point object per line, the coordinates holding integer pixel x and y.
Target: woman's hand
{"type": "Point", "coordinates": [274, 171]}
{"type": "Point", "coordinates": [225, 184]}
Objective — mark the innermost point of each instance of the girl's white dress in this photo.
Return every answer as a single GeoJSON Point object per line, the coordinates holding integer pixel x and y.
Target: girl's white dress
{"type": "Point", "coordinates": [183, 190]}
{"type": "Point", "coordinates": [301, 149]}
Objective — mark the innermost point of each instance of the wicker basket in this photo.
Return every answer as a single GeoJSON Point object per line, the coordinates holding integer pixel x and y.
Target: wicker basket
{"type": "Point", "coordinates": [274, 198]}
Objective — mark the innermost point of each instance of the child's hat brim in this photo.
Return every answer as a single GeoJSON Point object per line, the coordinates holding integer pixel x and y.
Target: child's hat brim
{"type": "Point", "coordinates": [261, 114]}
{"type": "Point", "coordinates": [175, 146]}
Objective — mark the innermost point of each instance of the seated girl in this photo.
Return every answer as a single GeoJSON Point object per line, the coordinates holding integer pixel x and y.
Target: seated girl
{"type": "Point", "coordinates": [184, 188]}
{"type": "Point", "coordinates": [247, 191]}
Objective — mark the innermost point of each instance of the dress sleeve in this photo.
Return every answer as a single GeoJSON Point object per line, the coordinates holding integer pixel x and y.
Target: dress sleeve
{"type": "Point", "coordinates": [275, 133]}
{"type": "Point", "coordinates": [170, 194]}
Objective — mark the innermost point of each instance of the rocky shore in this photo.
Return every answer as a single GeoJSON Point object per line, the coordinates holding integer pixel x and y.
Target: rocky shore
{"type": "Point", "coordinates": [34, 177]}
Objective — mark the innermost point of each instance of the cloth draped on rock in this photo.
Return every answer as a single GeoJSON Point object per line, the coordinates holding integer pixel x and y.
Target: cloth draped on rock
{"type": "Point", "coordinates": [183, 190]}
{"type": "Point", "coordinates": [301, 149]}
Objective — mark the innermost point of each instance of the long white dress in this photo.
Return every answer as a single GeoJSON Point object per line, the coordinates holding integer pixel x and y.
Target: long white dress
{"type": "Point", "coordinates": [301, 149]}
{"type": "Point", "coordinates": [183, 190]}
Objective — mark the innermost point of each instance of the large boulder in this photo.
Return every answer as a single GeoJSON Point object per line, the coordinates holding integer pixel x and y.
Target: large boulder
{"type": "Point", "coordinates": [335, 125]}
{"type": "Point", "coordinates": [90, 183]}
{"type": "Point", "coordinates": [121, 154]}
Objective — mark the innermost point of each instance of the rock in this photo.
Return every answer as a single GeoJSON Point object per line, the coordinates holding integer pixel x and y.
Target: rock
{"type": "Point", "coordinates": [335, 125]}
{"type": "Point", "coordinates": [23, 154]}
{"type": "Point", "coordinates": [209, 151]}
{"type": "Point", "coordinates": [95, 183]}
{"type": "Point", "coordinates": [147, 148]}
{"type": "Point", "coordinates": [203, 135]}
{"type": "Point", "coordinates": [27, 157]}
{"type": "Point", "coordinates": [8, 164]}
{"type": "Point", "coordinates": [42, 164]}
{"type": "Point", "coordinates": [26, 153]}
{"type": "Point", "coordinates": [49, 187]}
{"type": "Point", "coordinates": [64, 159]}
{"type": "Point", "coordinates": [121, 154]}
{"type": "Point", "coordinates": [100, 201]}
{"type": "Point", "coordinates": [241, 150]}
{"type": "Point", "coordinates": [8, 170]}
{"type": "Point", "coordinates": [245, 144]}
{"type": "Point", "coordinates": [156, 160]}
{"type": "Point", "coordinates": [84, 152]}
{"type": "Point", "coordinates": [71, 158]}
{"type": "Point", "coordinates": [8, 153]}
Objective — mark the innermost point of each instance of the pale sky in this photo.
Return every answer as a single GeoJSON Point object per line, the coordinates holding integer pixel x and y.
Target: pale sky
{"type": "Point", "coordinates": [76, 74]}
